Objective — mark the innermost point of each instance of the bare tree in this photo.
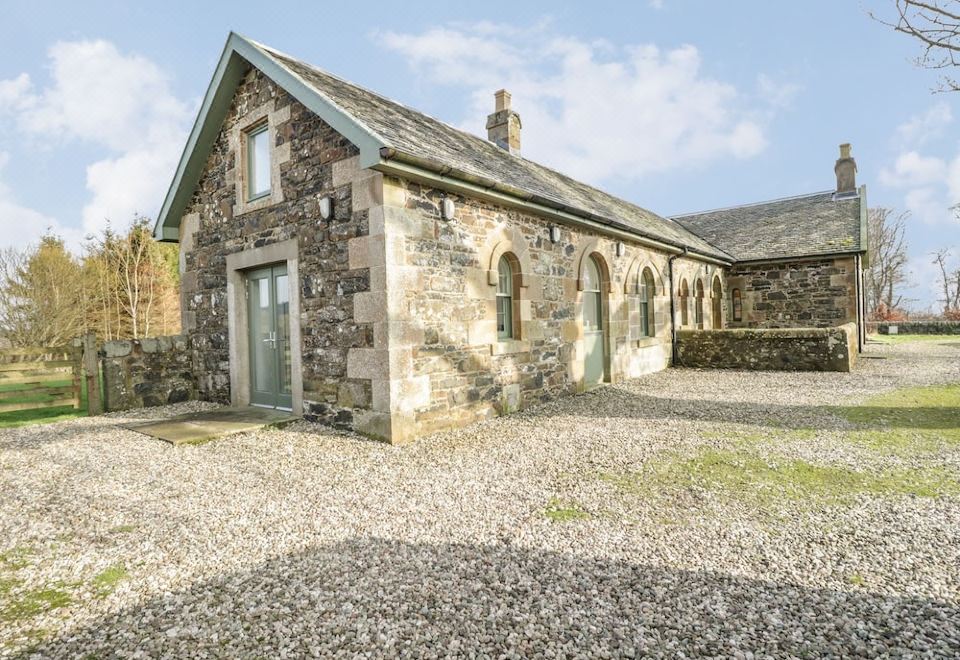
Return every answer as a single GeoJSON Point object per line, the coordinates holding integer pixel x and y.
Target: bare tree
{"type": "Point", "coordinates": [936, 24]}
{"type": "Point", "coordinates": [887, 251]}
{"type": "Point", "coordinates": [949, 283]}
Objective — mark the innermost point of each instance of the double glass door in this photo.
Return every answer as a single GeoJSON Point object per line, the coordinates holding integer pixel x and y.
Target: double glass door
{"type": "Point", "coordinates": [268, 295]}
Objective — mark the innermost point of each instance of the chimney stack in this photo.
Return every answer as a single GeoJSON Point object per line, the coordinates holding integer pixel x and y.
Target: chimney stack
{"type": "Point", "coordinates": [846, 170]}
{"type": "Point", "coordinates": [503, 126]}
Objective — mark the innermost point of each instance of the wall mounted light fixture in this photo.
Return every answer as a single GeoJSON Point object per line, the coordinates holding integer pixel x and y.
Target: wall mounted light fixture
{"type": "Point", "coordinates": [447, 209]}
{"type": "Point", "coordinates": [326, 207]}
{"type": "Point", "coordinates": [554, 234]}
{"type": "Point", "coordinates": [620, 248]}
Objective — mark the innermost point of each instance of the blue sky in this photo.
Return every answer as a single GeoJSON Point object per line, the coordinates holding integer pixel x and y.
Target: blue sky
{"type": "Point", "coordinates": [675, 105]}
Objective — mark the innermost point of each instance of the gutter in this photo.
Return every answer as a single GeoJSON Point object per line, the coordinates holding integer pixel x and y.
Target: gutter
{"type": "Point", "coordinates": [673, 311]}
{"type": "Point", "coordinates": [405, 165]}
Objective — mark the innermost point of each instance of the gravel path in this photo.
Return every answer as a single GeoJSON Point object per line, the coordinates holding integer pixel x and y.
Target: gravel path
{"type": "Point", "coordinates": [305, 541]}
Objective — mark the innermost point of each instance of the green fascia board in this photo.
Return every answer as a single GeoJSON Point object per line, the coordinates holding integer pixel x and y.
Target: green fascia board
{"type": "Point", "coordinates": [864, 232]}
{"type": "Point", "coordinates": [238, 54]}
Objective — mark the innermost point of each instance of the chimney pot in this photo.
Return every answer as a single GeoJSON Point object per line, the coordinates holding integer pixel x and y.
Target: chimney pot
{"type": "Point", "coordinates": [846, 170]}
{"type": "Point", "coordinates": [503, 126]}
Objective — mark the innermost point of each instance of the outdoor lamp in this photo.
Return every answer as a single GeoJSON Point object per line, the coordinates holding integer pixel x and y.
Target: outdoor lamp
{"type": "Point", "coordinates": [326, 207]}
{"type": "Point", "coordinates": [447, 209]}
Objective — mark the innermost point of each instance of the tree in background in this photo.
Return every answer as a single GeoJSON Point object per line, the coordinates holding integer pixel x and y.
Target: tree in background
{"type": "Point", "coordinates": [936, 25]}
{"type": "Point", "coordinates": [124, 286]}
{"type": "Point", "coordinates": [887, 262]}
{"type": "Point", "coordinates": [41, 295]}
{"type": "Point", "coordinates": [949, 285]}
{"type": "Point", "coordinates": [133, 284]}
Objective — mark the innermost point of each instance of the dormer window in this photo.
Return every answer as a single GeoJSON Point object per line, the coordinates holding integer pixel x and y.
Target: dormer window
{"type": "Point", "coordinates": [258, 162]}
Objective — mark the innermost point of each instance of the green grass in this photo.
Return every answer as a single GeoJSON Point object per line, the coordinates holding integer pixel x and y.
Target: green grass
{"type": "Point", "coordinates": [561, 512]}
{"type": "Point", "coordinates": [903, 339]}
{"type": "Point", "coordinates": [748, 438]}
{"type": "Point", "coordinates": [15, 558]}
{"type": "Point", "coordinates": [123, 529]}
{"type": "Point", "coordinates": [107, 580]}
{"type": "Point", "coordinates": [31, 603]}
{"type": "Point", "coordinates": [741, 474]}
{"type": "Point", "coordinates": [907, 421]}
{"type": "Point", "coordinates": [42, 415]}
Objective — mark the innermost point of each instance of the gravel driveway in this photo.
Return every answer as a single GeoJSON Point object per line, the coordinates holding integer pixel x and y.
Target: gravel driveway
{"type": "Point", "coordinates": [585, 527]}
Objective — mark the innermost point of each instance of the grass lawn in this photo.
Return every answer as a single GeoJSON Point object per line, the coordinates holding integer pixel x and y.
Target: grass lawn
{"type": "Point", "coordinates": [41, 415]}
{"type": "Point", "coordinates": [908, 422]}
{"type": "Point", "coordinates": [903, 339]}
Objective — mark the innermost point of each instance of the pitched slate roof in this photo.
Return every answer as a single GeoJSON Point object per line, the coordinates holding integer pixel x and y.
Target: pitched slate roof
{"type": "Point", "coordinates": [423, 137]}
{"type": "Point", "coordinates": [808, 225]}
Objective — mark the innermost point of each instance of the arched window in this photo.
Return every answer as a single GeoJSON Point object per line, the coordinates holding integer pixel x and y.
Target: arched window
{"type": "Point", "coordinates": [698, 307]}
{"type": "Point", "coordinates": [737, 305]}
{"type": "Point", "coordinates": [717, 303]}
{"type": "Point", "coordinates": [505, 299]}
{"type": "Point", "coordinates": [684, 303]}
{"type": "Point", "coordinates": [645, 293]}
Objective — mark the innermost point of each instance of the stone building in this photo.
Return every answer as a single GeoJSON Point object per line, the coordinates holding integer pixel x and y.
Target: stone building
{"type": "Point", "coordinates": [370, 267]}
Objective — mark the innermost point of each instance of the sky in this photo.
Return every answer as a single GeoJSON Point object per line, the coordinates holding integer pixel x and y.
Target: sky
{"type": "Point", "coordinates": [675, 105]}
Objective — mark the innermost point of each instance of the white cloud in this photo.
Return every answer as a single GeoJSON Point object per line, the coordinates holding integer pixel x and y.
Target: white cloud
{"type": "Point", "coordinates": [921, 128]}
{"type": "Point", "coordinates": [911, 170]}
{"type": "Point", "coordinates": [21, 225]}
{"type": "Point", "coordinates": [107, 99]}
{"type": "Point", "coordinates": [591, 109]}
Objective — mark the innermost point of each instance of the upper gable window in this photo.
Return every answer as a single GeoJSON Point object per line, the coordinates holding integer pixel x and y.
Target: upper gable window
{"type": "Point", "coordinates": [258, 162]}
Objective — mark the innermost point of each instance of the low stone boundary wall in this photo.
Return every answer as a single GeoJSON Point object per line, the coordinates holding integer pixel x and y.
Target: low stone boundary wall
{"type": "Point", "coordinates": [146, 372]}
{"type": "Point", "coordinates": [917, 327]}
{"type": "Point", "coordinates": [788, 349]}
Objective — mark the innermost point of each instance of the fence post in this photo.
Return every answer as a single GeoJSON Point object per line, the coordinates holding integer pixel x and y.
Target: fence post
{"type": "Point", "coordinates": [91, 368]}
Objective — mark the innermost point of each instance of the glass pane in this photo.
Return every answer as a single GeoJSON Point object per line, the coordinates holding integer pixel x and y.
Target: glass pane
{"type": "Point", "coordinates": [645, 319]}
{"type": "Point", "coordinates": [258, 169]}
{"type": "Point", "coordinates": [261, 327]}
{"type": "Point", "coordinates": [591, 276]}
{"type": "Point", "coordinates": [505, 280]}
{"type": "Point", "coordinates": [282, 288]}
{"type": "Point", "coordinates": [591, 311]}
{"type": "Point", "coordinates": [504, 317]}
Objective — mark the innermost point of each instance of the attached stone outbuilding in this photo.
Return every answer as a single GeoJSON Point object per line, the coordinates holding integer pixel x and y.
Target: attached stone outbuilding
{"type": "Point", "coordinates": [370, 267]}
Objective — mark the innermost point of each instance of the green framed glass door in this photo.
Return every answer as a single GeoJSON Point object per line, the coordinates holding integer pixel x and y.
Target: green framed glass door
{"type": "Point", "coordinates": [268, 313]}
{"type": "Point", "coordinates": [592, 324]}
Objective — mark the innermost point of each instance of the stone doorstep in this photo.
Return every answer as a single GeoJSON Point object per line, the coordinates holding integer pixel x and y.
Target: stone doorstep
{"type": "Point", "coordinates": [200, 427]}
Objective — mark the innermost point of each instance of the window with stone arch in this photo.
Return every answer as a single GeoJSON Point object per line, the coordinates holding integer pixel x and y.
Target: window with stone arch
{"type": "Point", "coordinates": [737, 305]}
{"type": "Point", "coordinates": [698, 306]}
{"type": "Point", "coordinates": [684, 302]}
{"type": "Point", "coordinates": [508, 290]}
{"type": "Point", "coordinates": [646, 297]}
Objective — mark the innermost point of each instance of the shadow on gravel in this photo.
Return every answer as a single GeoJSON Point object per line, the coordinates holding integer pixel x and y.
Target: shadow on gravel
{"type": "Point", "coordinates": [380, 597]}
{"type": "Point", "coordinates": [615, 402]}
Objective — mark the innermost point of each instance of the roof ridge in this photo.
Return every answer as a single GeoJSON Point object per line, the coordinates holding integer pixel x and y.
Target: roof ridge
{"type": "Point", "coordinates": [751, 204]}
{"type": "Point", "coordinates": [478, 139]}
{"type": "Point", "coordinates": [372, 92]}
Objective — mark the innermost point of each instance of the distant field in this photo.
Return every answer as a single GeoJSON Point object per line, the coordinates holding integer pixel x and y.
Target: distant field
{"type": "Point", "coordinates": [902, 339]}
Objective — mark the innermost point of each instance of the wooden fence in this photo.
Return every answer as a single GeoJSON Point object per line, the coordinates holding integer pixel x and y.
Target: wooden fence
{"type": "Point", "coordinates": [32, 378]}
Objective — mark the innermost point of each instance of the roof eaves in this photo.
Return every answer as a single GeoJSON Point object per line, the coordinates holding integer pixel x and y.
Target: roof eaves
{"type": "Point", "coordinates": [446, 173]}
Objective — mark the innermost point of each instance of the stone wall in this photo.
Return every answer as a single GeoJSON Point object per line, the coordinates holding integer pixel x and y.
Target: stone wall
{"type": "Point", "coordinates": [442, 363]}
{"type": "Point", "coordinates": [816, 293]}
{"type": "Point", "coordinates": [920, 327]}
{"type": "Point", "coordinates": [786, 349]}
{"type": "Point", "coordinates": [215, 227]}
{"type": "Point", "coordinates": [139, 373]}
